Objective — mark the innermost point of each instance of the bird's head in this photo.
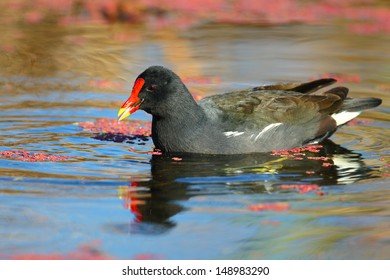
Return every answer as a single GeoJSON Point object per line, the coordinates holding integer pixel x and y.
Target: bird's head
{"type": "Point", "coordinates": [155, 91]}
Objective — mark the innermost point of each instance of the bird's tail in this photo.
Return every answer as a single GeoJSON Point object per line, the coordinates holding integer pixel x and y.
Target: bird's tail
{"type": "Point", "coordinates": [351, 108]}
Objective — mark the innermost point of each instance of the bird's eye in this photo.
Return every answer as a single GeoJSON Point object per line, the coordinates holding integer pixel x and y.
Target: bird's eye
{"type": "Point", "coordinates": [151, 88]}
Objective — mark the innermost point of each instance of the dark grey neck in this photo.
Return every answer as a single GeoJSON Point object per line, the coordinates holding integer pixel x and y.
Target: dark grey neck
{"type": "Point", "coordinates": [177, 130]}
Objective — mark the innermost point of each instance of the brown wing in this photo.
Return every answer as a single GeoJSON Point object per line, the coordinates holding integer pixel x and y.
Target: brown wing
{"type": "Point", "coordinates": [287, 103]}
{"type": "Point", "coordinates": [308, 87]}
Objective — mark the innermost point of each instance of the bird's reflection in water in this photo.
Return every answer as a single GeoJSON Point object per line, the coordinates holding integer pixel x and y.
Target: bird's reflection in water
{"type": "Point", "coordinates": [155, 202]}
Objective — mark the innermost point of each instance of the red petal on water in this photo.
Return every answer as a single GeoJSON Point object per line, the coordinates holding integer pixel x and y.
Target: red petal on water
{"type": "Point", "coordinates": [269, 207]}
{"type": "Point", "coordinates": [115, 127]}
{"type": "Point", "coordinates": [343, 78]}
{"type": "Point", "coordinates": [319, 158]}
{"type": "Point", "coordinates": [297, 153]}
{"type": "Point", "coordinates": [359, 122]}
{"type": "Point", "coordinates": [106, 84]}
{"type": "Point", "coordinates": [365, 17]}
{"type": "Point", "coordinates": [201, 80]}
{"type": "Point", "coordinates": [156, 152]}
{"type": "Point", "coordinates": [270, 222]}
{"type": "Point", "coordinates": [33, 17]}
{"type": "Point", "coordinates": [177, 159]}
{"type": "Point", "coordinates": [148, 256]}
{"type": "Point", "coordinates": [22, 155]}
{"type": "Point", "coordinates": [8, 48]}
{"type": "Point", "coordinates": [297, 158]}
{"type": "Point", "coordinates": [301, 188]}
{"type": "Point", "coordinates": [87, 251]}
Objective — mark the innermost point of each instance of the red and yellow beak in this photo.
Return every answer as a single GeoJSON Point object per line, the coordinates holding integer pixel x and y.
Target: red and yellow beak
{"type": "Point", "coordinates": [132, 104]}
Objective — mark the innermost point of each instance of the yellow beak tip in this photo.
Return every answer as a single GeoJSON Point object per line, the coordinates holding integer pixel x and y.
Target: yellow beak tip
{"type": "Point", "coordinates": [123, 113]}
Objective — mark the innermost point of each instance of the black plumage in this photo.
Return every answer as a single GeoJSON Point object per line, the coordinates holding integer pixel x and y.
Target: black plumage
{"type": "Point", "coordinates": [258, 119]}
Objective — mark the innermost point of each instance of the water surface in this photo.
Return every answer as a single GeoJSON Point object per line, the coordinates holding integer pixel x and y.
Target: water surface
{"type": "Point", "coordinates": [123, 202]}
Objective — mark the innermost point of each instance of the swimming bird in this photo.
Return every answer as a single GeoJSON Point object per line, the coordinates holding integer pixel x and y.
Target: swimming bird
{"type": "Point", "coordinates": [254, 120]}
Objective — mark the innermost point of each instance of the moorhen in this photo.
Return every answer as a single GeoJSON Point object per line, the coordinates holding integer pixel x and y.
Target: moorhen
{"type": "Point", "coordinates": [259, 119]}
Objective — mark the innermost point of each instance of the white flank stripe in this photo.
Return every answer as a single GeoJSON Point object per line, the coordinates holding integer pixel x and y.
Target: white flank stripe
{"type": "Point", "coordinates": [233, 133]}
{"type": "Point", "coordinates": [265, 129]}
{"type": "Point", "coordinates": [344, 117]}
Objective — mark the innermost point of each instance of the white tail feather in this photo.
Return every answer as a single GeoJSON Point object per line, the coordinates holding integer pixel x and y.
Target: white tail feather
{"type": "Point", "coordinates": [344, 117]}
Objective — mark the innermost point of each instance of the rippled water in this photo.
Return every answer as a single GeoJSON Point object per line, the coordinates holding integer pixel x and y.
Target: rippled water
{"type": "Point", "coordinates": [123, 202]}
